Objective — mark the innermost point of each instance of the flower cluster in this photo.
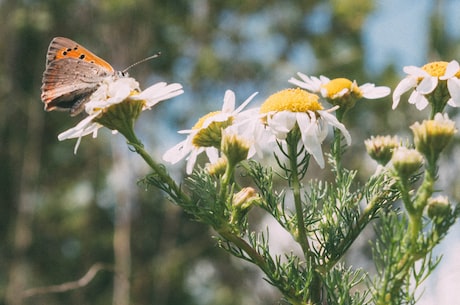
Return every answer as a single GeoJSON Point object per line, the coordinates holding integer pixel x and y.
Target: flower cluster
{"type": "Point", "coordinates": [261, 129]}
{"type": "Point", "coordinates": [265, 128]}
{"type": "Point", "coordinates": [281, 113]}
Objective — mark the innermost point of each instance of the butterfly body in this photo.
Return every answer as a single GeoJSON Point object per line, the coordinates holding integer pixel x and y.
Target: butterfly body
{"type": "Point", "coordinates": [72, 75]}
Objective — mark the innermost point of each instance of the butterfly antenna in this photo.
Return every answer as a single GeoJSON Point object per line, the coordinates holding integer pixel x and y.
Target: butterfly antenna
{"type": "Point", "coordinates": [141, 61]}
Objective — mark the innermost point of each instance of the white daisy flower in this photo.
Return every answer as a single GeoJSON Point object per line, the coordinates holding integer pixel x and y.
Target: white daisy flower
{"type": "Point", "coordinates": [288, 108]}
{"type": "Point", "coordinates": [339, 87]}
{"type": "Point", "coordinates": [205, 135]}
{"type": "Point", "coordinates": [112, 92]}
{"type": "Point", "coordinates": [426, 79]}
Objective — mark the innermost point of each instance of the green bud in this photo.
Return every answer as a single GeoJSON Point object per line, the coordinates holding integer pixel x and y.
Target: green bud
{"type": "Point", "coordinates": [217, 168]}
{"type": "Point", "coordinates": [432, 136]}
{"type": "Point", "coordinates": [245, 198]}
{"type": "Point", "coordinates": [406, 161]}
{"type": "Point", "coordinates": [438, 207]}
{"type": "Point", "coordinates": [380, 148]}
{"type": "Point", "coordinates": [242, 202]}
{"type": "Point", "coordinates": [234, 147]}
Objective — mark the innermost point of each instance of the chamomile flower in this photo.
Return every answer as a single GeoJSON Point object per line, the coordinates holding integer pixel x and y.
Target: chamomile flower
{"type": "Point", "coordinates": [291, 108]}
{"type": "Point", "coordinates": [102, 107]}
{"type": "Point", "coordinates": [339, 91]}
{"type": "Point", "coordinates": [206, 135]}
{"type": "Point", "coordinates": [436, 82]}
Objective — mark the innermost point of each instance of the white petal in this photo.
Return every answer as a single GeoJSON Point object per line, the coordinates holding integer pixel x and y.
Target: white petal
{"type": "Point", "coordinates": [415, 71]}
{"type": "Point", "coordinates": [177, 152]}
{"type": "Point", "coordinates": [191, 160]}
{"type": "Point", "coordinates": [229, 102]}
{"type": "Point", "coordinates": [427, 85]}
{"type": "Point", "coordinates": [310, 140]}
{"type": "Point", "coordinates": [83, 128]}
{"type": "Point", "coordinates": [299, 83]}
{"type": "Point", "coordinates": [452, 68]}
{"type": "Point", "coordinates": [418, 99]}
{"type": "Point", "coordinates": [281, 123]}
{"type": "Point", "coordinates": [405, 85]}
{"type": "Point", "coordinates": [158, 92]}
{"type": "Point", "coordinates": [212, 153]}
{"type": "Point", "coordinates": [453, 85]}
{"type": "Point", "coordinates": [312, 83]}
{"type": "Point", "coordinates": [332, 120]}
{"type": "Point", "coordinates": [369, 91]}
{"type": "Point", "coordinates": [337, 95]}
{"type": "Point", "coordinates": [324, 80]}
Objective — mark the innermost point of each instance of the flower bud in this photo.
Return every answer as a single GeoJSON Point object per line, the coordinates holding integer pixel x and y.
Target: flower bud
{"type": "Point", "coordinates": [438, 207]}
{"type": "Point", "coordinates": [242, 202]}
{"type": "Point", "coordinates": [245, 198]}
{"type": "Point", "coordinates": [380, 148]}
{"type": "Point", "coordinates": [432, 136]}
{"type": "Point", "coordinates": [234, 147]}
{"type": "Point", "coordinates": [217, 168]}
{"type": "Point", "coordinates": [406, 161]}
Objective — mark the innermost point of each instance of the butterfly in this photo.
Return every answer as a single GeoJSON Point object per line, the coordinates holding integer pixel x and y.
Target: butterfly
{"type": "Point", "coordinates": [71, 75]}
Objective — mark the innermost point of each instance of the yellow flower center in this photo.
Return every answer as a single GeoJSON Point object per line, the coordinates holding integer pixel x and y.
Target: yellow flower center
{"type": "Point", "coordinates": [436, 68]}
{"type": "Point", "coordinates": [294, 100]}
{"type": "Point", "coordinates": [201, 121]}
{"type": "Point", "coordinates": [335, 86]}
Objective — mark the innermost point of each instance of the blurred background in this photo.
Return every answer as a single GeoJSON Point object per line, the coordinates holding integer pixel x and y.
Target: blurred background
{"type": "Point", "coordinates": [62, 213]}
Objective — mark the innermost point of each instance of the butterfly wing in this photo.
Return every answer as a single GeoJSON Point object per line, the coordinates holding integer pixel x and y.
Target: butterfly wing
{"type": "Point", "coordinates": [61, 47]}
{"type": "Point", "coordinates": [72, 74]}
{"type": "Point", "coordinates": [68, 83]}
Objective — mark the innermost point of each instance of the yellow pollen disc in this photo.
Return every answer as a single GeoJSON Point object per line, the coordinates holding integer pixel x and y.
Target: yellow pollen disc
{"type": "Point", "coordinates": [294, 100]}
{"type": "Point", "coordinates": [436, 68]}
{"type": "Point", "coordinates": [200, 122]}
{"type": "Point", "coordinates": [336, 85]}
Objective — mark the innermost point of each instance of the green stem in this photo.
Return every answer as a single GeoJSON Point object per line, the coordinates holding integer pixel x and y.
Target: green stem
{"type": "Point", "coordinates": [226, 181]}
{"type": "Point", "coordinates": [134, 142]}
{"type": "Point", "coordinates": [337, 144]}
{"type": "Point", "coordinates": [337, 153]}
{"type": "Point", "coordinates": [414, 250]}
{"type": "Point", "coordinates": [301, 236]}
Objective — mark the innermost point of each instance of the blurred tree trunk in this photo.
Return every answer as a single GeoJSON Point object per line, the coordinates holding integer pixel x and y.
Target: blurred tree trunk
{"type": "Point", "coordinates": [125, 193]}
{"type": "Point", "coordinates": [27, 196]}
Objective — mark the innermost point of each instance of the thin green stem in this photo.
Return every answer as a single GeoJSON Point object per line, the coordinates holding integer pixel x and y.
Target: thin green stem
{"type": "Point", "coordinates": [414, 250]}
{"type": "Point", "coordinates": [134, 142]}
{"type": "Point", "coordinates": [337, 144]}
{"type": "Point", "coordinates": [226, 180]}
{"type": "Point", "coordinates": [301, 235]}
